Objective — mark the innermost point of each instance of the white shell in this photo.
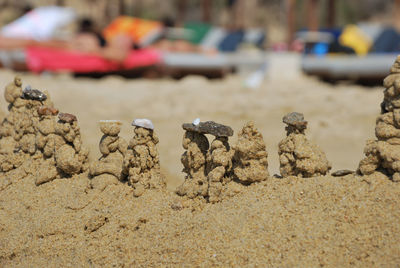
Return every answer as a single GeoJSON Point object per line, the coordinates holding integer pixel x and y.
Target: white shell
{"type": "Point", "coordinates": [145, 123]}
{"type": "Point", "coordinates": [196, 121]}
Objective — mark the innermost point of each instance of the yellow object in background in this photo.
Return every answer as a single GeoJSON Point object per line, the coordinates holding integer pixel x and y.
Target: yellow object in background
{"type": "Point", "coordinates": [353, 37]}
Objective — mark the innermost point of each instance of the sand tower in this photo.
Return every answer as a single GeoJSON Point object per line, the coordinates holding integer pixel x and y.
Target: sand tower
{"type": "Point", "coordinates": [250, 159]}
{"type": "Point", "coordinates": [31, 135]}
{"type": "Point", "coordinates": [113, 149]}
{"type": "Point", "coordinates": [142, 160]}
{"type": "Point", "coordinates": [47, 141]}
{"type": "Point", "coordinates": [19, 127]}
{"type": "Point", "coordinates": [384, 152]}
{"type": "Point", "coordinates": [194, 164]}
{"type": "Point", "coordinates": [207, 171]}
{"type": "Point", "coordinates": [71, 157]}
{"type": "Point", "coordinates": [297, 155]}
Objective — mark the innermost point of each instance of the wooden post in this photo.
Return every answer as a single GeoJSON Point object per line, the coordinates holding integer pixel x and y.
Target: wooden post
{"type": "Point", "coordinates": [396, 19]}
{"type": "Point", "coordinates": [60, 3]}
{"type": "Point", "coordinates": [206, 10]}
{"type": "Point", "coordinates": [312, 15]}
{"type": "Point", "coordinates": [291, 18]}
{"type": "Point", "coordinates": [181, 12]}
{"type": "Point", "coordinates": [121, 7]}
{"type": "Point", "coordinates": [108, 14]}
{"type": "Point", "coordinates": [138, 8]}
{"type": "Point", "coordinates": [239, 14]}
{"type": "Point", "coordinates": [3, 4]}
{"type": "Point", "coordinates": [331, 18]}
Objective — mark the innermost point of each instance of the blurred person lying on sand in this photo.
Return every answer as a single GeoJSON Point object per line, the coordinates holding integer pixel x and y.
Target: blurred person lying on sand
{"type": "Point", "coordinates": [168, 40]}
{"type": "Point", "coordinates": [89, 40]}
{"type": "Point", "coordinates": [28, 31]}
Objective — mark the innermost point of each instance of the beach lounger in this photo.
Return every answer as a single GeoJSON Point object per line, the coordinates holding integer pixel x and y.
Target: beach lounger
{"type": "Point", "coordinates": [179, 65]}
{"type": "Point", "coordinates": [369, 67]}
{"type": "Point", "coordinates": [211, 65]}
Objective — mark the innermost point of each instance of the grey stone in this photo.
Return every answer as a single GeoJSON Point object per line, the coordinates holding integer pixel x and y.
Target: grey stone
{"type": "Point", "coordinates": [209, 127]}
{"type": "Point", "coordinates": [296, 120]}
{"type": "Point", "coordinates": [33, 94]}
{"type": "Point", "coordinates": [342, 172]}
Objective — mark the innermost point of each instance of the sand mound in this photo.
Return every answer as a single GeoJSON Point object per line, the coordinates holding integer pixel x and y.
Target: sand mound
{"type": "Point", "coordinates": [282, 222]}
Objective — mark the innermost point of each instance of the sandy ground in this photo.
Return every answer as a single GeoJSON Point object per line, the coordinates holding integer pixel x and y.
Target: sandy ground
{"type": "Point", "coordinates": [334, 222]}
{"type": "Point", "coordinates": [325, 221]}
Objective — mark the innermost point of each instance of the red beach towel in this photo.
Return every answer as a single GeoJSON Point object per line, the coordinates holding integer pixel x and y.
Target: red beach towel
{"type": "Point", "coordinates": [49, 59]}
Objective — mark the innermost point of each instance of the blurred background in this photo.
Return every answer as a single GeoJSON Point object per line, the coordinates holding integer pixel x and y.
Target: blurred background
{"type": "Point", "coordinates": [224, 60]}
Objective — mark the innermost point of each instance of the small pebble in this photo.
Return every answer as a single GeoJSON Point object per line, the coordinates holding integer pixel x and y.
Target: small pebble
{"type": "Point", "coordinates": [342, 172]}
{"type": "Point", "coordinates": [295, 119]}
{"type": "Point", "coordinates": [144, 123]}
{"type": "Point", "coordinates": [67, 118]}
{"type": "Point", "coordinates": [46, 110]}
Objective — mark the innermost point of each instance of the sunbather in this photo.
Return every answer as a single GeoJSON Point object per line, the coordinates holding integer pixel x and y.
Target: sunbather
{"type": "Point", "coordinates": [87, 40]}
{"type": "Point", "coordinates": [176, 45]}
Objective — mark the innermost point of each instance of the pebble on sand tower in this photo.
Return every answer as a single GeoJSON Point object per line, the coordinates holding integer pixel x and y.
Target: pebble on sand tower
{"type": "Point", "coordinates": [250, 159]}
{"type": "Point", "coordinates": [207, 171]}
{"type": "Point", "coordinates": [113, 149]}
{"type": "Point", "coordinates": [298, 156]}
{"type": "Point", "coordinates": [142, 161]}
{"type": "Point", "coordinates": [384, 153]}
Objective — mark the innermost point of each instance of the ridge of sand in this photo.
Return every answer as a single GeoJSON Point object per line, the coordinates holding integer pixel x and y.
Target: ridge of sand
{"type": "Point", "coordinates": [282, 222]}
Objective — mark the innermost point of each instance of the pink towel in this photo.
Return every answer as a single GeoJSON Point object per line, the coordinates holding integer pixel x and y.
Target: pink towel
{"type": "Point", "coordinates": [49, 59]}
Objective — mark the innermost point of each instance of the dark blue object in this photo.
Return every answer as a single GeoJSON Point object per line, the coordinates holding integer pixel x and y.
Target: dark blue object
{"type": "Point", "coordinates": [231, 42]}
{"type": "Point", "coordinates": [388, 41]}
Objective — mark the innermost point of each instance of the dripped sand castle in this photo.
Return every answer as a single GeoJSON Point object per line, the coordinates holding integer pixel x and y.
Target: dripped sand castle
{"type": "Point", "coordinates": [113, 150]}
{"type": "Point", "coordinates": [297, 155]}
{"type": "Point", "coordinates": [384, 153]}
{"type": "Point", "coordinates": [142, 160]}
{"type": "Point", "coordinates": [250, 158]}
{"type": "Point", "coordinates": [30, 136]}
{"type": "Point", "coordinates": [250, 219]}
{"type": "Point", "coordinates": [215, 171]}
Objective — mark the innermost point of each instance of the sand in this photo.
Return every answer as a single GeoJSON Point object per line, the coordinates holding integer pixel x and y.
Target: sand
{"type": "Point", "coordinates": [320, 221]}
{"type": "Point", "coordinates": [284, 222]}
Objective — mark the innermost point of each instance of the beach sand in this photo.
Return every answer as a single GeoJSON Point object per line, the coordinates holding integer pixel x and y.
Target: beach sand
{"type": "Point", "coordinates": [343, 221]}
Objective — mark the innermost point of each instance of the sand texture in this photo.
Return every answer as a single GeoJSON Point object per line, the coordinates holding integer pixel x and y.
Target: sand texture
{"type": "Point", "coordinates": [284, 222]}
{"type": "Point", "coordinates": [127, 203]}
